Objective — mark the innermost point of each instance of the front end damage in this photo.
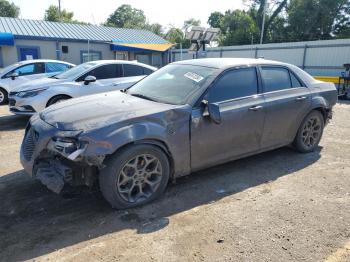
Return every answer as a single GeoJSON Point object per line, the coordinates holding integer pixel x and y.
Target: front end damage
{"type": "Point", "coordinates": [57, 157]}
{"type": "Point", "coordinates": [54, 171]}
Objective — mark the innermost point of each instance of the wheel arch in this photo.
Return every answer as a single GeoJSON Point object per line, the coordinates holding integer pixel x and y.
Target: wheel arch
{"type": "Point", "coordinates": [154, 142]}
{"type": "Point", "coordinates": [320, 104]}
{"type": "Point", "coordinates": [63, 95]}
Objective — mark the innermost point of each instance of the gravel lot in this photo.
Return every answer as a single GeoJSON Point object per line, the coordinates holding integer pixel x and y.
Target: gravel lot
{"type": "Point", "coordinates": [276, 206]}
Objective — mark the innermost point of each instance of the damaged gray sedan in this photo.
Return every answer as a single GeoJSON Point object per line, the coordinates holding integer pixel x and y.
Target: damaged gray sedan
{"type": "Point", "coordinates": [185, 117]}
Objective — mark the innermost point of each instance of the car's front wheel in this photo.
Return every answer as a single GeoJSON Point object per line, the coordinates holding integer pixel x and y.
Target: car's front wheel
{"type": "Point", "coordinates": [310, 132]}
{"type": "Point", "coordinates": [3, 96]}
{"type": "Point", "coordinates": [134, 176]}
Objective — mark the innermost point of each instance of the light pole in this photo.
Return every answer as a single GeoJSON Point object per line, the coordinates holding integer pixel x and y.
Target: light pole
{"type": "Point", "coordinates": [59, 10]}
{"type": "Point", "coordinates": [263, 23]}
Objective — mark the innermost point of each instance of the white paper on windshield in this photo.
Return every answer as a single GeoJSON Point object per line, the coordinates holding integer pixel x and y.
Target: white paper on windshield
{"type": "Point", "coordinates": [193, 76]}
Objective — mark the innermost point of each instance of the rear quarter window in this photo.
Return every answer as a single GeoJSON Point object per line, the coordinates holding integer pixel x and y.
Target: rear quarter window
{"type": "Point", "coordinates": [295, 81]}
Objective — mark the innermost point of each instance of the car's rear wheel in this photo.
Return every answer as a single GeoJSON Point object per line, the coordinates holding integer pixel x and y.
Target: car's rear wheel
{"type": "Point", "coordinates": [57, 99]}
{"type": "Point", "coordinates": [3, 96]}
{"type": "Point", "coordinates": [310, 132]}
{"type": "Point", "coordinates": [134, 176]}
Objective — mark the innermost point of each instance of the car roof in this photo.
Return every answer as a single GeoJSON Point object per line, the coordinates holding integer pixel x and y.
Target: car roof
{"type": "Point", "coordinates": [227, 62]}
{"type": "Point", "coordinates": [222, 63]}
{"type": "Point", "coordinates": [102, 62]}
{"type": "Point", "coordinates": [42, 61]}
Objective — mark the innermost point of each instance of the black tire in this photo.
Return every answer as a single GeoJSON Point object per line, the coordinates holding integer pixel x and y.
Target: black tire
{"type": "Point", "coordinates": [4, 99]}
{"type": "Point", "coordinates": [111, 177]}
{"type": "Point", "coordinates": [57, 99]}
{"type": "Point", "coordinates": [310, 132]}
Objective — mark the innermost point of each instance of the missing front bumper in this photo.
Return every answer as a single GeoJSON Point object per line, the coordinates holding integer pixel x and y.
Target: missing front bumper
{"type": "Point", "coordinates": [55, 173]}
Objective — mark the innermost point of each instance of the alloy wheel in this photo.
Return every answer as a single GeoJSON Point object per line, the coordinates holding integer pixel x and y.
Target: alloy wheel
{"type": "Point", "coordinates": [311, 132]}
{"type": "Point", "coordinates": [2, 97]}
{"type": "Point", "coordinates": [139, 178]}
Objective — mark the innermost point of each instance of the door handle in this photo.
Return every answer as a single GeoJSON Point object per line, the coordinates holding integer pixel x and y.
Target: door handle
{"type": "Point", "coordinates": [300, 98]}
{"type": "Point", "coordinates": [255, 108]}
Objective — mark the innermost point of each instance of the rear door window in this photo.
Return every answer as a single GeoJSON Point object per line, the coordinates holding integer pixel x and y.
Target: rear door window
{"type": "Point", "coordinates": [56, 67]}
{"type": "Point", "coordinates": [134, 70]}
{"type": "Point", "coordinates": [233, 84]}
{"type": "Point", "coordinates": [275, 78]}
{"type": "Point", "coordinates": [103, 72]}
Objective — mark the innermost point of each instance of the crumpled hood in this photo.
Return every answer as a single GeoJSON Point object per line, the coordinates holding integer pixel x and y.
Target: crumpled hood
{"type": "Point", "coordinates": [38, 83]}
{"type": "Point", "coordinates": [95, 111]}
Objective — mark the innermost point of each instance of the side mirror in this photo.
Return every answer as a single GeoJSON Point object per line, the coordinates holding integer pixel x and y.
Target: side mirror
{"type": "Point", "coordinates": [89, 79]}
{"type": "Point", "coordinates": [213, 110]}
{"type": "Point", "coordinates": [14, 75]}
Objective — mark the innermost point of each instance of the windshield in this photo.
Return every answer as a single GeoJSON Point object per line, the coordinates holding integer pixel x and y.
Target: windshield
{"type": "Point", "coordinates": [172, 84]}
{"type": "Point", "coordinates": [75, 71]}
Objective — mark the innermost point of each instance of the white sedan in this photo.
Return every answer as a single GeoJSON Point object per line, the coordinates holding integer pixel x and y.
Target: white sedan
{"type": "Point", "coordinates": [16, 74]}
{"type": "Point", "coordinates": [85, 79]}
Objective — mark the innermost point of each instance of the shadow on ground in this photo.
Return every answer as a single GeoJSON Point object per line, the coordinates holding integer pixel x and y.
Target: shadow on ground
{"type": "Point", "coordinates": [34, 221]}
{"type": "Point", "coordinates": [13, 122]}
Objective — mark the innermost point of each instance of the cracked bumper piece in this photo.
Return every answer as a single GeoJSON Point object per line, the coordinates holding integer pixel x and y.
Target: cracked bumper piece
{"type": "Point", "coordinates": [53, 163]}
{"type": "Point", "coordinates": [53, 175]}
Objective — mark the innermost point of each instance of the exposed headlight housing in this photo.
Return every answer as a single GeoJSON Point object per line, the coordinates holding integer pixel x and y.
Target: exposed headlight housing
{"type": "Point", "coordinates": [65, 145]}
{"type": "Point", "coordinates": [30, 93]}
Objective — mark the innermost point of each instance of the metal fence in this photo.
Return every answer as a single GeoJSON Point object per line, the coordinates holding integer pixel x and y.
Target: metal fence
{"type": "Point", "coordinates": [319, 58]}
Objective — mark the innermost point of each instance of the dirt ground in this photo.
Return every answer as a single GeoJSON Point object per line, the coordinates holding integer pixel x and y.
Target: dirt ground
{"type": "Point", "coordinates": [276, 206]}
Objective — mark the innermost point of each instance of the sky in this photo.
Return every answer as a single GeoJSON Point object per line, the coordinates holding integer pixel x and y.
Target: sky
{"type": "Point", "coordinates": [165, 12]}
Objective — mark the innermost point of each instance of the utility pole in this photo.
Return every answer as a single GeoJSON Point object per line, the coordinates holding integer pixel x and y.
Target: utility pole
{"type": "Point", "coordinates": [263, 23]}
{"type": "Point", "coordinates": [59, 10]}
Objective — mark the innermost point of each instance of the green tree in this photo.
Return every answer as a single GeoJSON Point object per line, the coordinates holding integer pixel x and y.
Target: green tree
{"type": "Point", "coordinates": [126, 16]}
{"type": "Point", "coordinates": [191, 22]}
{"type": "Point", "coordinates": [274, 9]}
{"type": "Point", "coordinates": [176, 36]}
{"type": "Point", "coordinates": [52, 14]}
{"type": "Point", "coordinates": [155, 28]}
{"type": "Point", "coordinates": [214, 19]}
{"type": "Point", "coordinates": [8, 9]}
{"type": "Point", "coordinates": [317, 19]}
{"type": "Point", "coordinates": [237, 28]}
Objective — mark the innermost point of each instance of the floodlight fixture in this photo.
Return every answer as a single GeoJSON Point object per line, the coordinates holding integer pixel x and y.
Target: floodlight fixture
{"type": "Point", "coordinates": [210, 34]}
{"type": "Point", "coordinates": [195, 33]}
{"type": "Point", "coordinates": [200, 36]}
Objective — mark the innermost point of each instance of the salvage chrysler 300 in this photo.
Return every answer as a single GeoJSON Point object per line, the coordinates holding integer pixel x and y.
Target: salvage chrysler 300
{"type": "Point", "coordinates": [186, 116]}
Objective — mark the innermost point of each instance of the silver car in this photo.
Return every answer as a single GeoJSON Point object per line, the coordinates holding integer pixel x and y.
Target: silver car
{"type": "Point", "coordinates": [85, 79]}
{"type": "Point", "coordinates": [16, 74]}
{"type": "Point", "coordinates": [185, 117]}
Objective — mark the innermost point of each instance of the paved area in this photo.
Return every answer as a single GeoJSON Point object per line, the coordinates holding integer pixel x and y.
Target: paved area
{"type": "Point", "coordinates": [276, 206]}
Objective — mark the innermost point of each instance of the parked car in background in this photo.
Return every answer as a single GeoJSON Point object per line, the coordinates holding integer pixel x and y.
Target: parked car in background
{"type": "Point", "coordinates": [186, 116]}
{"type": "Point", "coordinates": [16, 74]}
{"type": "Point", "coordinates": [85, 79]}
